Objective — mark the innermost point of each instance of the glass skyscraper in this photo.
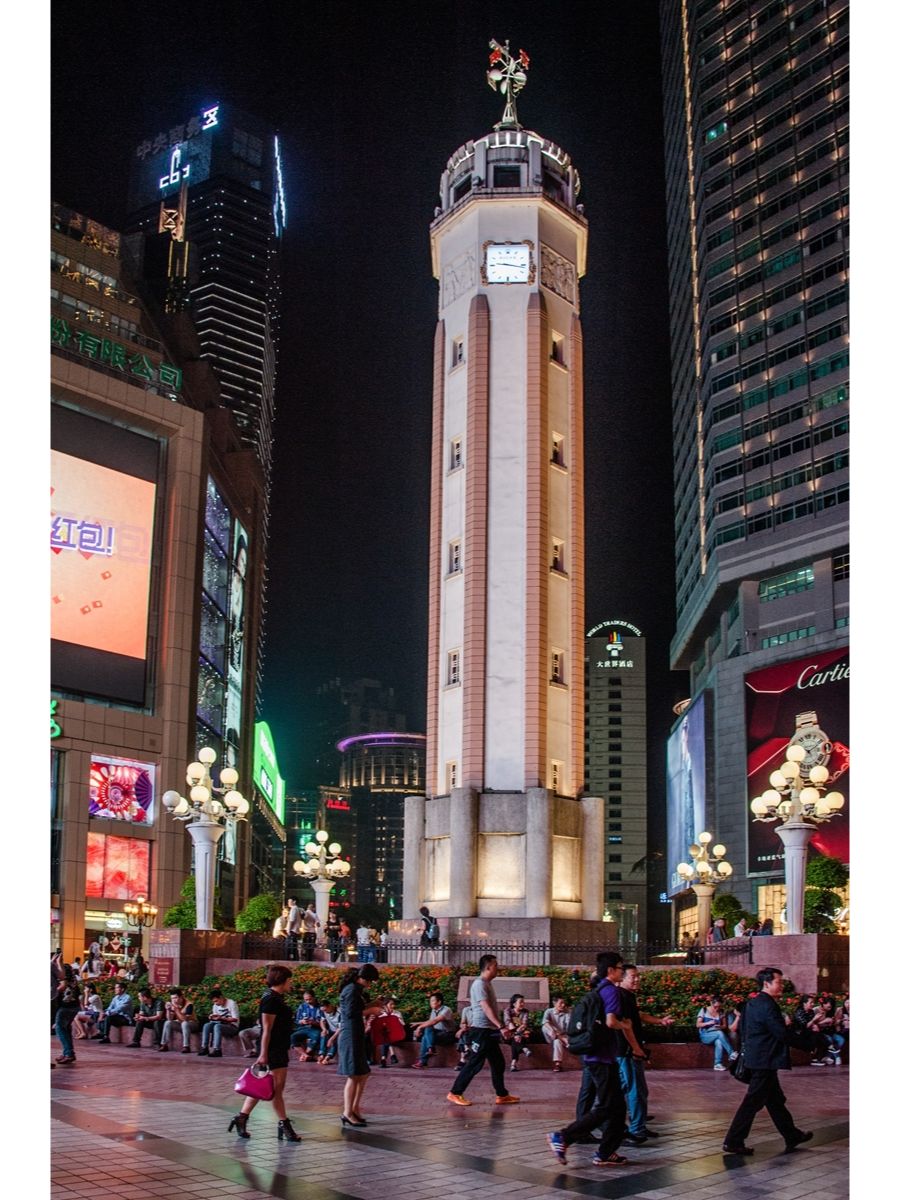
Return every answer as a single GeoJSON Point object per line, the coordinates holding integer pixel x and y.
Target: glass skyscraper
{"type": "Point", "coordinates": [756, 130]}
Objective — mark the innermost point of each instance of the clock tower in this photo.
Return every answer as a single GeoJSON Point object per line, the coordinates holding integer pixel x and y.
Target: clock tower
{"type": "Point", "coordinates": [505, 834]}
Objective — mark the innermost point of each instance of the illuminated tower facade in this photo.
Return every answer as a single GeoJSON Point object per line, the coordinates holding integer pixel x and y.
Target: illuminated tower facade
{"type": "Point", "coordinates": [505, 705]}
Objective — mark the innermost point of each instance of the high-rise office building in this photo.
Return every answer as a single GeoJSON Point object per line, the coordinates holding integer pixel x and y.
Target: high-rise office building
{"type": "Point", "coordinates": [218, 173]}
{"type": "Point", "coordinates": [155, 571]}
{"type": "Point", "coordinates": [756, 128]}
{"type": "Point", "coordinates": [615, 765]}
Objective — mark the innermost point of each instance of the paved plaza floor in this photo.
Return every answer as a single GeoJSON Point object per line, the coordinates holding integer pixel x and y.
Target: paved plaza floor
{"type": "Point", "coordinates": [137, 1123]}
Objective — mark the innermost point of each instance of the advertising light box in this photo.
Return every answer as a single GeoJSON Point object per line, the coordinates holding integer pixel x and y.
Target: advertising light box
{"type": "Point", "coordinates": [805, 701]}
{"type": "Point", "coordinates": [685, 790]}
{"type": "Point", "coordinates": [118, 868]}
{"type": "Point", "coordinates": [102, 518]}
{"type": "Point", "coordinates": [265, 769]}
{"type": "Point", "coordinates": [122, 790]}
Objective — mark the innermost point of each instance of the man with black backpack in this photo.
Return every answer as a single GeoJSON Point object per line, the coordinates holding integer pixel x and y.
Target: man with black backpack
{"type": "Point", "coordinates": [592, 1033]}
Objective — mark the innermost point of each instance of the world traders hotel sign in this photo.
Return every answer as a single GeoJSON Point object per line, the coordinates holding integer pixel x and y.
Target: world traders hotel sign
{"type": "Point", "coordinates": [114, 354]}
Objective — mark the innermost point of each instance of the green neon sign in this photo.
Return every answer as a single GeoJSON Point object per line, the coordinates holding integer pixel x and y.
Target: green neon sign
{"type": "Point", "coordinates": [114, 354]}
{"type": "Point", "coordinates": [265, 769]}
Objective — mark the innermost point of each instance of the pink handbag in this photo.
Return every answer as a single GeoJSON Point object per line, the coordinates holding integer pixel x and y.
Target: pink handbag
{"type": "Point", "coordinates": [256, 1082]}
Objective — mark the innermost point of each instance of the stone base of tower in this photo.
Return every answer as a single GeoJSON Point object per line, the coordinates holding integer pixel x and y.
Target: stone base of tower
{"type": "Point", "coordinates": [517, 941]}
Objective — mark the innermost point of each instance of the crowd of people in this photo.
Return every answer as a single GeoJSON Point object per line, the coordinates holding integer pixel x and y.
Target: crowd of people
{"type": "Point", "coordinates": [605, 1028]}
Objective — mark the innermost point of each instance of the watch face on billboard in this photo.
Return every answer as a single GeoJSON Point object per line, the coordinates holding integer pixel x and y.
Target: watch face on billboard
{"type": "Point", "coordinates": [804, 702]}
{"type": "Point", "coordinates": [102, 514]}
{"type": "Point", "coordinates": [685, 789]}
{"type": "Point", "coordinates": [122, 790]}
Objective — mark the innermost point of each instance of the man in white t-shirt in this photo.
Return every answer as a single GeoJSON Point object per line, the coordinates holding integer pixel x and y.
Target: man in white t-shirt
{"type": "Point", "coordinates": [224, 1019]}
{"type": "Point", "coordinates": [309, 927]}
{"type": "Point", "coordinates": [484, 1038]}
{"type": "Point", "coordinates": [293, 928]}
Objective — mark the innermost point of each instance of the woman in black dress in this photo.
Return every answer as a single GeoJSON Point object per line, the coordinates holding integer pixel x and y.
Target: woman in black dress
{"type": "Point", "coordinates": [352, 1060]}
{"type": "Point", "coordinates": [276, 1022]}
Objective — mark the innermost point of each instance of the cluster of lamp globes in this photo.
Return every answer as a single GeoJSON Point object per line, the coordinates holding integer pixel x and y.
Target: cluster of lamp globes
{"type": "Point", "coordinates": [708, 866]}
{"type": "Point", "coordinates": [788, 799]}
{"type": "Point", "coordinates": [140, 913]}
{"type": "Point", "coordinates": [203, 794]}
{"type": "Point", "coordinates": [318, 864]}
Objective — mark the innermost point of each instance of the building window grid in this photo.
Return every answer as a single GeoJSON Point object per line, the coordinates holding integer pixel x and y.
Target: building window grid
{"type": "Point", "coordinates": [453, 672]}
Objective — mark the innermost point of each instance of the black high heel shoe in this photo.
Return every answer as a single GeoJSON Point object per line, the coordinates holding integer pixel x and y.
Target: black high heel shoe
{"type": "Point", "coordinates": [287, 1133]}
{"type": "Point", "coordinates": [239, 1122]}
{"type": "Point", "coordinates": [352, 1124]}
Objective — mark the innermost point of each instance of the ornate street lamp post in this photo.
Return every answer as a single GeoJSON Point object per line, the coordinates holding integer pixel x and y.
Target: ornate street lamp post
{"type": "Point", "coordinates": [140, 914]}
{"type": "Point", "coordinates": [207, 817]}
{"type": "Point", "coordinates": [322, 868]}
{"type": "Point", "coordinates": [798, 797]}
{"type": "Point", "coordinates": [703, 873]}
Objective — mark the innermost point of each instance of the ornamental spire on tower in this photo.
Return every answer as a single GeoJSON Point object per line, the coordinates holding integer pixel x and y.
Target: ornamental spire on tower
{"type": "Point", "coordinates": [507, 75]}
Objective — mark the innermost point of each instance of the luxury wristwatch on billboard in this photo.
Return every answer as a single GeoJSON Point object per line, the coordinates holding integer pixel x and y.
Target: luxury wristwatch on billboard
{"type": "Point", "coordinates": [813, 740]}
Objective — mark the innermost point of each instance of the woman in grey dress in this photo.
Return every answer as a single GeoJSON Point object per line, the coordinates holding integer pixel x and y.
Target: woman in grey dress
{"type": "Point", "coordinates": [352, 1059]}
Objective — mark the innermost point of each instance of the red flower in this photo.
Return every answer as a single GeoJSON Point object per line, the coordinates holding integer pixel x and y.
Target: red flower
{"type": "Point", "coordinates": [524, 59]}
{"type": "Point", "coordinates": [496, 55]}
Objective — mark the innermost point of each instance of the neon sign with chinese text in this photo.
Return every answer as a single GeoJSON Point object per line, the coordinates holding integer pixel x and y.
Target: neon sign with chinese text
{"type": "Point", "coordinates": [114, 354]}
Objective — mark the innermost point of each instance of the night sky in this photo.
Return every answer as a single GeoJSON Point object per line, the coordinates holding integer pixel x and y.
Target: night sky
{"type": "Point", "coordinates": [370, 100]}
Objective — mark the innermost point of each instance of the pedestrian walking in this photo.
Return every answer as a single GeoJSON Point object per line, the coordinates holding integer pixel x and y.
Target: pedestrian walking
{"type": "Point", "coordinates": [632, 1070]}
{"type": "Point", "coordinates": [66, 1012]}
{"type": "Point", "coordinates": [601, 1070]}
{"type": "Point", "coordinates": [431, 936]}
{"type": "Point", "coordinates": [276, 1022]}
{"type": "Point", "coordinates": [293, 928]}
{"type": "Point", "coordinates": [352, 1059]}
{"type": "Point", "coordinates": [765, 1039]}
{"type": "Point", "coordinates": [486, 1032]}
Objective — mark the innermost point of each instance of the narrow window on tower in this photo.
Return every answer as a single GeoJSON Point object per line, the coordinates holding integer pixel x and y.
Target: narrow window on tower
{"type": "Point", "coordinates": [457, 352]}
{"type": "Point", "coordinates": [557, 348]}
{"type": "Point", "coordinates": [557, 557]}
{"type": "Point", "coordinates": [454, 557]}
{"type": "Point", "coordinates": [556, 774]}
{"type": "Point", "coordinates": [558, 450]}
{"type": "Point", "coordinates": [507, 176]}
{"type": "Point", "coordinates": [556, 667]}
{"type": "Point", "coordinates": [452, 667]}
{"type": "Point", "coordinates": [452, 775]}
{"type": "Point", "coordinates": [455, 453]}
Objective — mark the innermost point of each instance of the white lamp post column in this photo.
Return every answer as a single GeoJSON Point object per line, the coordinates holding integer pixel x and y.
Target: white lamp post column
{"type": "Point", "coordinates": [322, 869]}
{"type": "Point", "coordinates": [205, 835]}
{"type": "Point", "coordinates": [797, 795]}
{"type": "Point", "coordinates": [323, 889]}
{"type": "Point", "coordinates": [206, 817]}
{"type": "Point", "coordinates": [796, 836]}
{"type": "Point", "coordinates": [706, 869]}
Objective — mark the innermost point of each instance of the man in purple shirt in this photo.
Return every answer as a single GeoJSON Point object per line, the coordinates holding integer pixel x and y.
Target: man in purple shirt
{"type": "Point", "coordinates": [602, 1071]}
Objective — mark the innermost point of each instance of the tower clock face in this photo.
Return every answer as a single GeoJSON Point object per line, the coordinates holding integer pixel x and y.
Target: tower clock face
{"type": "Point", "coordinates": [508, 262]}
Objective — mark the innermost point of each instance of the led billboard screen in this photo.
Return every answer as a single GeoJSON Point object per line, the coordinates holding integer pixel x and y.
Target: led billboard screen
{"type": "Point", "coordinates": [103, 500]}
{"type": "Point", "coordinates": [118, 868]}
{"type": "Point", "coordinates": [685, 789]}
{"type": "Point", "coordinates": [806, 700]}
{"type": "Point", "coordinates": [122, 790]}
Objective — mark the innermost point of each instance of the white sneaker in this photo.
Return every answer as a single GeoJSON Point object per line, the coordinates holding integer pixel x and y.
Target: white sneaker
{"type": "Point", "coordinates": [837, 1060]}
{"type": "Point", "coordinates": [720, 1067]}
{"type": "Point", "coordinates": [527, 1053]}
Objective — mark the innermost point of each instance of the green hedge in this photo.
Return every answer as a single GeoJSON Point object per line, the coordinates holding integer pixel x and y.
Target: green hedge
{"type": "Point", "coordinates": [675, 991]}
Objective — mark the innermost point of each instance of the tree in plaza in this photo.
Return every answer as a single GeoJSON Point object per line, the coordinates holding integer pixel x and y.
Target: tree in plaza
{"type": "Point", "coordinates": [727, 905]}
{"type": "Point", "coordinates": [183, 915]}
{"type": "Point", "coordinates": [258, 913]}
{"type": "Point", "coordinates": [823, 874]}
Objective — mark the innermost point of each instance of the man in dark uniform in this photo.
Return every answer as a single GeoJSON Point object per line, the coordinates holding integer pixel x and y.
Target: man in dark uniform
{"type": "Point", "coordinates": [765, 1040]}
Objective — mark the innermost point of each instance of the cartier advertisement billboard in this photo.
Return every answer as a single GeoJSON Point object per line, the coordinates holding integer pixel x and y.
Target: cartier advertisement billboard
{"type": "Point", "coordinates": [805, 701]}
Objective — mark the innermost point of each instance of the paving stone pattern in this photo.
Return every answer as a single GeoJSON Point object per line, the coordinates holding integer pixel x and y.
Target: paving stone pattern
{"type": "Point", "coordinates": [135, 1124]}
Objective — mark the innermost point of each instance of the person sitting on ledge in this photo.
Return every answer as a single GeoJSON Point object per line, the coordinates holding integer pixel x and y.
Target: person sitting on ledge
{"type": "Point", "coordinates": [119, 1012]}
{"type": "Point", "coordinates": [555, 1028]}
{"type": "Point", "coordinates": [150, 1015]}
{"type": "Point", "coordinates": [711, 1026]}
{"type": "Point", "coordinates": [178, 1012]}
{"type": "Point", "coordinates": [307, 1034]}
{"type": "Point", "coordinates": [223, 1022]}
{"type": "Point", "coordinates": [437, 1030]}
{"type": "Point", "coordinates": [515, 1021]}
